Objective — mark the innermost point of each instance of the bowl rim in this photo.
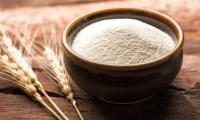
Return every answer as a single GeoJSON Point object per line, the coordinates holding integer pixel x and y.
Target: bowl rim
{"type": "Point", "coordinates": [159, 16]}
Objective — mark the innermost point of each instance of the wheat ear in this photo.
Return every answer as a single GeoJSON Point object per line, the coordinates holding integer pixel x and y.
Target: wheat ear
{"type": "Point", "coordinates": [23, 40]}
{"type": "Point", "coordinates": [52, 54]}
{"type": "Point", "coordinates": [55, 68]}
{"type": "Point", "coordinates": [13, 67]}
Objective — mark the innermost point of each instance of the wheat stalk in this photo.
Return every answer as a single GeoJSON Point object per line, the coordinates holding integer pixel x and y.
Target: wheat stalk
{"type": "Point", "coordinates": [15, 68]}
{"type": "Point", "coordinates": [51, 53]}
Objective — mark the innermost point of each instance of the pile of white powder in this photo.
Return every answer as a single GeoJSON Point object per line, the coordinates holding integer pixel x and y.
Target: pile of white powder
{"type": "Point", "coordinates": [122, 42]}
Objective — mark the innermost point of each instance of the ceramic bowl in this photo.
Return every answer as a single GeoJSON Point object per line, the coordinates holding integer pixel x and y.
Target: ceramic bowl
{"type": "Point", "coordinates": [123, 83]}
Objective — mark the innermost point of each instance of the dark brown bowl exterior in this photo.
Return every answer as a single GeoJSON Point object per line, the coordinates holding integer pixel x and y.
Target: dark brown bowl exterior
{"type": "Point", "coordinates": [122, 84]}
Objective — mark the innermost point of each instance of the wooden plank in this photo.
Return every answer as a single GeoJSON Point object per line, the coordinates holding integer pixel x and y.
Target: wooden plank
{"type": "Point", "coordinates": [163, 107]}
{"type": "Point", "coordinates": [22, 3]}
{"type": "Point", "coordinates": [175, 103]}
{"type": "Point", "coordinates": [180, 101]}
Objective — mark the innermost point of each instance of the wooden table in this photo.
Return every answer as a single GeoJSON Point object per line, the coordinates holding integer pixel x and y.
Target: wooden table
{"type": "Point", "coordinates": [181, 101]}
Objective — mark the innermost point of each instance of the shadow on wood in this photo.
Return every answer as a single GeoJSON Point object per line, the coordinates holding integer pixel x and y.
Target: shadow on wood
{"type": "Point", "coordinates": [165, 106]}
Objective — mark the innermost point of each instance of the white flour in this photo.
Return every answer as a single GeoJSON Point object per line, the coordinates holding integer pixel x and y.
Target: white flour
{"type": "Point", "coordinates": [122, 42]}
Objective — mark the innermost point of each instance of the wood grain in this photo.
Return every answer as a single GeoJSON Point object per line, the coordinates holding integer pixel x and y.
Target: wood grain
{"type": "Point", "coordinates": [180, 101]}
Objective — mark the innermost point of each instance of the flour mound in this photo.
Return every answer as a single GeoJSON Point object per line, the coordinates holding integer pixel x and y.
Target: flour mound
{"type": "Point", "coordinates": [122, 42]}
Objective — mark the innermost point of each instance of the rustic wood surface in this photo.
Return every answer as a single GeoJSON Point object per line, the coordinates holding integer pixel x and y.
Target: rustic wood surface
{"type": "Point", "coordinates": [180, 101]}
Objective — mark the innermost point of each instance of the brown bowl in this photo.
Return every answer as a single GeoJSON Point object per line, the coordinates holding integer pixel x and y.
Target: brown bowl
{"type": "Point", "coordinates": [123, 83]}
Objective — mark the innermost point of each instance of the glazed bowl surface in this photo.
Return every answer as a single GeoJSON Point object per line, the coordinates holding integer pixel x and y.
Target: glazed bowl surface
{"type": "Point", "coordinates": [123, 83]}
